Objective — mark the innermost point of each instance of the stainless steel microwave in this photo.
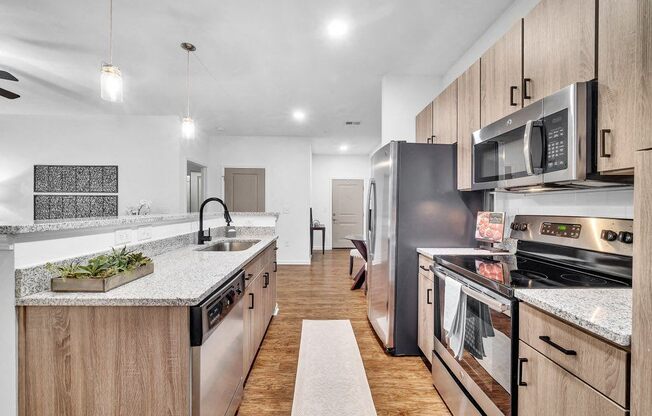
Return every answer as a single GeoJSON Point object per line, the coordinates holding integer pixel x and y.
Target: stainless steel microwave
{"type": "Point", "coordinates": [550, 144]}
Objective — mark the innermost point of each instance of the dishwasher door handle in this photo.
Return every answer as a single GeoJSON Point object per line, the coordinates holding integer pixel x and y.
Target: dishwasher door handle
{"type": "Point", "coordinates": [251, 298]}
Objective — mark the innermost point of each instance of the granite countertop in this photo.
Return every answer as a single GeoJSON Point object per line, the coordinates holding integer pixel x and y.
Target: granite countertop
{"type": "Point", "coordinates": [604, 312]}
{"type": "Point", "coordinates": [182, 277]}
{"type": "Point", "coordinates": [81, 223]}
{"type": "Point", "coordinates": [458, 251]}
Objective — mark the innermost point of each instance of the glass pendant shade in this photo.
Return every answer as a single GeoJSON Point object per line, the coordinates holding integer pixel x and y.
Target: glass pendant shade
{"type": "Point", "coordinates": [111, 83]}
{"type": "Point", "coordinates": [188, 128]}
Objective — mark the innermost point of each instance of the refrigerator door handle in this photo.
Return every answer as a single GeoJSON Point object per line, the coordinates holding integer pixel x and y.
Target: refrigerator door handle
{"type": "Point", "coordinates": [371, 220]}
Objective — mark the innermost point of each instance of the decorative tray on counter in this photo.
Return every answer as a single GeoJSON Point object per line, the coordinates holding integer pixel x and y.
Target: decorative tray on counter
{"type": "Point", "coordinates": [101, 273]}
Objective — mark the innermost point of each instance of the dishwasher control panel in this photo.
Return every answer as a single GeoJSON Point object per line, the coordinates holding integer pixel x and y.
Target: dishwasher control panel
{"type": "Point", "coordinates": [206, 316]}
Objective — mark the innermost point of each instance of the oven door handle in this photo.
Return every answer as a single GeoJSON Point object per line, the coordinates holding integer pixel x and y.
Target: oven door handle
{"type": "Point", "coordinates": [527, 147]}
{"type": "Point", "coordinates": [477, 295]}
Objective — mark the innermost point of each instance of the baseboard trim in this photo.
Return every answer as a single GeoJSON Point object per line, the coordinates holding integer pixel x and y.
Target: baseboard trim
{"type": "Point", "coordinates": [294, 262]}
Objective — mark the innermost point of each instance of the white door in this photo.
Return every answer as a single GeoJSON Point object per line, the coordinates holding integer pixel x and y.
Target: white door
{"type": "Point", "coordinates": [348, 207]}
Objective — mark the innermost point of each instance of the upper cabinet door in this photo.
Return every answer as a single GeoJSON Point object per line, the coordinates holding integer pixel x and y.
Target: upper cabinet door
{"type": "Point", "coordinates": [559, 42]}
{"type": "Point", "coordinates": [424, 125]}
{"type": "Point", "coordinates": [619, 84]}
{"type": "Point", "coordinates": [644, 69]}
{"type": "Point", "coordinates": [444, 116]}
{"type": "Point", "coordinates": [468, 121]}
{"type": "Point", "coordinates": [501, 75]}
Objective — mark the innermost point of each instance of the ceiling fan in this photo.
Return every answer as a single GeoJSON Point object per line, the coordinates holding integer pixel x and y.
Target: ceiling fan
{"type": "Point", "coordinates": [8, 94]}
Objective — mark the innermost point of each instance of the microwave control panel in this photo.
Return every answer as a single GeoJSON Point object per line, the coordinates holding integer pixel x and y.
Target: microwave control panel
{"type": "Point", "coordinates": [556, 130]}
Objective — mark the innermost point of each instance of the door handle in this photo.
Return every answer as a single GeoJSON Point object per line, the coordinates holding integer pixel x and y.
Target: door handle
{"type": "Point", "coordinates": [526, 82]}
{"type": "Point", "coordinates": [275, 267]}
{"type": "Point", "coordinates": [266, 281]}
{"type": "Point", "coordinates": [249, 276]}
{"type": "Point", "coordinates": [512, 89]}
{"type": "Point", "coordinates": [425, 269]}
{"type": "Point", "coordinates": [428, 292]}
{"type": "Point", "coordinates": [251, 299]}
{"type": "Point", "coordinates": [556, 346]}
{"type": "Point", "coordinates": [520, 372]}
{"type": "Point", "coordinates": [603, 142]}
{"type": "Point", "coordinates": [527, 144]}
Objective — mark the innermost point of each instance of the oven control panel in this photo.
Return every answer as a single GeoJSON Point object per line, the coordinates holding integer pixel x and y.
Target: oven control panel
{"type": "Point", "coordinates": [561, 230]}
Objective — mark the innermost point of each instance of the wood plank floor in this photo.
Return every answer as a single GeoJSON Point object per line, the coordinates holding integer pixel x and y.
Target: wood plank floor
{"type": "Point", "coordinates": [400, 386]}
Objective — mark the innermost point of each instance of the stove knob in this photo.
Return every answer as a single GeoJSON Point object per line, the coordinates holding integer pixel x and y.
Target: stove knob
{"type": "Point", "coordinates": [608, 235]}
{"type": "Point", "coordinates": [513, 226]}
{"type": "Point", "coordinates": [522, 227]}
{"type": "Point", "coordinates": [626, 237]}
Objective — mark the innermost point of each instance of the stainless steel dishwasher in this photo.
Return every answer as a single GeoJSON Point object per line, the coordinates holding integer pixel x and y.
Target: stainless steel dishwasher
{"type": "Point", "coordinates": [216, 339]}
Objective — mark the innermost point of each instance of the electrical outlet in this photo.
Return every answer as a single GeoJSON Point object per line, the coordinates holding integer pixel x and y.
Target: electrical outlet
{"type": "Point", "coordinates": [144, 233]}
{"type": "Point", "coordinates": [122, 237]}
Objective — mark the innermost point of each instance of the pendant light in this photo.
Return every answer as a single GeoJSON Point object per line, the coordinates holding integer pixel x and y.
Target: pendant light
{"type": "Point", "coordinates": [188, 124]}
{"type": "Point", "coordinates": [110, 76]}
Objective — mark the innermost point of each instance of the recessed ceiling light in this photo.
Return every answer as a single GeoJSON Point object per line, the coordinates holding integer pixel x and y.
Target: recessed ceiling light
{"type": "Point", "coordinates": [299, 115]}
{"type": "Point", "coordinates": [344, 148]}
{"type": "Point", "coordinates": [337, 28]}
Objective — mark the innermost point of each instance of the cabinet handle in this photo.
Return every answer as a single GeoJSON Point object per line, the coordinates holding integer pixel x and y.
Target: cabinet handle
{"type": "Point", "coordinates": [266, 281]}
{"type": "Point", "coordinates": [603, 143]}
{"type": "Point", "coordinates": [275, 267]}
{"type": "Point", "coordinates": [520, 371]}
{"type": "Point", "coordinates": [526, 95]}
{"type": "Point", "coordinates": [428, 292]}
{"type": "Point", "coordinates": [251, 298]}
{"type": "Point", "coordinates": [511, 96]}
{"type": "Point", "coordinates": [424, 268]}
{"type": "Point", "coordinates": [548, 341]}
{"type": "Point", "coordinates": [249, 276]}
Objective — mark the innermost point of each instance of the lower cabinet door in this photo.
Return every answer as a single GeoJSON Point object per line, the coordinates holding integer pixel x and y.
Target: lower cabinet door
{"type": "Point", "coordinates": [426, 316]}
{"type": "Point", "coordinates": [545, 389]}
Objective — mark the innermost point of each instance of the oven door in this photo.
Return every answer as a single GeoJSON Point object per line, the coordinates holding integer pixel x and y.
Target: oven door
{"type": "Point", "coordinates": [486, 366]}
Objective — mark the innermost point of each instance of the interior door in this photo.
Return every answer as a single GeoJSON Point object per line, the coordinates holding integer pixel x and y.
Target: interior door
{"type": "Point", "coordinates": [244, 189]}
{"type": "Point", "coordinates": [348, 206]}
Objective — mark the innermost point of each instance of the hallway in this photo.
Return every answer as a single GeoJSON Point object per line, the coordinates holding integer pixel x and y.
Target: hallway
{"type": "Point", "coordinates": [399, 385]}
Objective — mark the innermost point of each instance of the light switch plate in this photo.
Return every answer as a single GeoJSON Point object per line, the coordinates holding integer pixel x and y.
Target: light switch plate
{"type": "Point", "coordinates": [144, 233]}
{"type": "Point", "coordinates": [122, 237]}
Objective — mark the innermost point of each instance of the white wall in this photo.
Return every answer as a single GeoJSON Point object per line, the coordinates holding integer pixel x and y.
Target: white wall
{"type": "Point", "coordinates": [402, 98]}
{"type": "Point", "coordinates": [325, 168]}
{"type": "Point", "coordinates": [287, 184]}
{"type": "Point", "coordinates": [148, 150]}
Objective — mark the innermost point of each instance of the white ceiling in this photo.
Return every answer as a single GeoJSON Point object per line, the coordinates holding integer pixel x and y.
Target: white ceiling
{"type": "Point", "coordinates": [256, 61]}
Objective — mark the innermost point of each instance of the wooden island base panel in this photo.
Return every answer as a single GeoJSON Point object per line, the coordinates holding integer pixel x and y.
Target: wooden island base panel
{"type": "Point", "coordinates": [124, 360]}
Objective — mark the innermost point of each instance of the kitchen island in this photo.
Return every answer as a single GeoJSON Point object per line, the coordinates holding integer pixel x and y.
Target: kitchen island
{"type": "Point", "coordinates": [126, 351]}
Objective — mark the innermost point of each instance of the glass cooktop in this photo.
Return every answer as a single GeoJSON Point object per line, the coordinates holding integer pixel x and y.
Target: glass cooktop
{"type": "Point", "coordinates": [517, 271]}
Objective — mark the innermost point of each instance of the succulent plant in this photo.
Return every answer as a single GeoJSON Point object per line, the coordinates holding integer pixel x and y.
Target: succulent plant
{"type": "Point", "coordinates": [118, 261]}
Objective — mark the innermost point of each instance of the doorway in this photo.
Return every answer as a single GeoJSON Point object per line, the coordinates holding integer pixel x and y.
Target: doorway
{"type": "Point", "coordinates": [195, 187]}
{"type": "Point", "coordinates": [244, 189]}
{"type": "Point", "coordinates": [347, 210]}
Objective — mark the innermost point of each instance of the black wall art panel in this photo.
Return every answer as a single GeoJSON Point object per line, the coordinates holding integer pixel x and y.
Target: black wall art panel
{"type": "Point", "coordinates": [63, 191]}
{"type": "Point", "coordinates": [51, 207]}
{"type": "Point", "coordinates": [76, 179]}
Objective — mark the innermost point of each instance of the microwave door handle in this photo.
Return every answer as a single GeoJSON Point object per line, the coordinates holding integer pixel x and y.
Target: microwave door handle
{"type": "Point", "coordinates": [527, 147]}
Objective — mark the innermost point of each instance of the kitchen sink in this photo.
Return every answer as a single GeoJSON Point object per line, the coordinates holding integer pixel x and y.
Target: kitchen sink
{"type": "Point", "coordinates": [230, 246]}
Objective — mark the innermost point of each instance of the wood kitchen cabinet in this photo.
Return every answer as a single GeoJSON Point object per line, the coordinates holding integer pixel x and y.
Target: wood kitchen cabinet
{"type": "Point", "coordinates": [468, 121]}
{"type": "Point", "coordinates": [501, 77]}
{"type": "Point", "coordinates": [559, 43]}
{"type": "Point", "coordinates": [444, 116]}
{"type": "Point", "coordinates": [624, 83]}
{"type": "Point", "coordinates": [260, 295]}
{"type": "Point", "coordinates": [426, 308]}
{"type": "Point", "coordinates": [641, 379]}
{"type": "Point", "coordinates": [564, 370]}
{"type": "Point", "coordinates": [424, 125]}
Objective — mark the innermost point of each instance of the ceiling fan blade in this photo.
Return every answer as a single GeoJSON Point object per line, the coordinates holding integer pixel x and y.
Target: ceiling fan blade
{"type": "Point", "coordinates": [8, 94]}
{"type": "Point", "coordinates": [6, 75]}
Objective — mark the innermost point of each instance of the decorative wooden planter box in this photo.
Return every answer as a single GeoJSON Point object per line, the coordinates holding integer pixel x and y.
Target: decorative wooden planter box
{"type": "Point", "coordinates": [59, 284]}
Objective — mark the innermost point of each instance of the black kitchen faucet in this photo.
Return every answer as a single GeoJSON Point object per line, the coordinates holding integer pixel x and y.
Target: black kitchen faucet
{"type": "Point", "coordinates": [201, 237]}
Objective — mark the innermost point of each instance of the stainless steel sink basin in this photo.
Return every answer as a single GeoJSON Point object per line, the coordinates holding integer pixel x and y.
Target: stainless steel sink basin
{"type": "Point", "coordinates": [230, 246]}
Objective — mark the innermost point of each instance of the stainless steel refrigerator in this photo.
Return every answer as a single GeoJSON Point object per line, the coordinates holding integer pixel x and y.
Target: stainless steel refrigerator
{"type": "Point", "coordinates": [413, 202]}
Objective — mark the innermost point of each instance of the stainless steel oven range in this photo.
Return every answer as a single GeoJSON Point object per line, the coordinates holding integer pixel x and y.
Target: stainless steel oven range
{"type": "Point", "coordinates": [476, 312]}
